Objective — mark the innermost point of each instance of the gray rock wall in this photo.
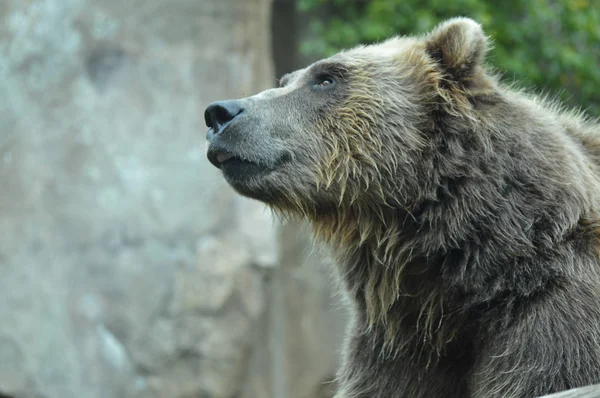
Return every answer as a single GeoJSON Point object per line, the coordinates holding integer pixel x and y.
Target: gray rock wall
{"type": "Point", "coordinates": [127, 267]}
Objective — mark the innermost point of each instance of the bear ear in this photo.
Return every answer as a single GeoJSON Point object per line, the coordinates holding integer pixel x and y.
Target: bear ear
{"type": "Point", "coordinates": [458, 46]}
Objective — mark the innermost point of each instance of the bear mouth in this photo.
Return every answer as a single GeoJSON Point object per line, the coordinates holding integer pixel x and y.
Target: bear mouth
{"type": "Point", "coordinates": [220, 158]}
{"type": "Point", "coordinates": [236, 167]}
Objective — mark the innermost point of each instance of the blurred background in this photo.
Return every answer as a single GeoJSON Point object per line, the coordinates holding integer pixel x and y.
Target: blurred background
{"type": "Point", "coordinates": [127, 267]}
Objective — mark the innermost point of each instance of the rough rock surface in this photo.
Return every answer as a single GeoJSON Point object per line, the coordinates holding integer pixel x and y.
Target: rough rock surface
{"type": "Point", "coordinates": [127, 267]}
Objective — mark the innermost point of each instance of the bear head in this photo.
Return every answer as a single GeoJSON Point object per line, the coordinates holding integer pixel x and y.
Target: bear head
{"type": "Point", "coordinates": [352, 130]}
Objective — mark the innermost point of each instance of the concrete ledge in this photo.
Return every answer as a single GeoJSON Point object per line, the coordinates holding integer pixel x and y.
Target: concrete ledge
{"type": "Point", "coordinates": [583, 392]}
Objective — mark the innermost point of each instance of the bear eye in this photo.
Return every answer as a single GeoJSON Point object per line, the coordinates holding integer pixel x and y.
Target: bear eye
{"type": "Point", "coordinates": [325, 81]}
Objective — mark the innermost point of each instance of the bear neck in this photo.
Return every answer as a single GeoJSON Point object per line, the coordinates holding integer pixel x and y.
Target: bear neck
{"type": "Point", "coordinates": [458, 249]}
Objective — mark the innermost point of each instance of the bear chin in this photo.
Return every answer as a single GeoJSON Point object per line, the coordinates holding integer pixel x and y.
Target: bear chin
{"type": "Point", "coordinates": [252, 180]}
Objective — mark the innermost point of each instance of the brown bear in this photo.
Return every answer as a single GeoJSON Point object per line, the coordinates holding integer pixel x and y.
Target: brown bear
{"type": "Point", "coordinates": [463, 213]}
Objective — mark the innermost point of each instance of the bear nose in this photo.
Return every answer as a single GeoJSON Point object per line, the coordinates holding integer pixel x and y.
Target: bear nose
{"type": "Point", "coordinates": [220, 113]}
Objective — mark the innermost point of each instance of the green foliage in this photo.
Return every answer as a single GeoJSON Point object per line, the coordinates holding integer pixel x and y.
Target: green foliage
{"type": "Point", "coordinates": [553, 45]}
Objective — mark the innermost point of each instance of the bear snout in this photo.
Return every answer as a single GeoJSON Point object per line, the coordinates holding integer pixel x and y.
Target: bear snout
{"type": "Point", "coordinates": [218, 114]}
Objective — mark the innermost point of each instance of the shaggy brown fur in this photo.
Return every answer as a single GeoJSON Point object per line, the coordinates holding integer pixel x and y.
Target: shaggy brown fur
{"type": "Point", "coordinates": [463, 214]}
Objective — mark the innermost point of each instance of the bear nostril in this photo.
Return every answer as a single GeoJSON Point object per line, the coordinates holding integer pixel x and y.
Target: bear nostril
{"type": "Point", "coordinates": [220, 113]}
{"type": "Point", "coordinates": [207, 119]}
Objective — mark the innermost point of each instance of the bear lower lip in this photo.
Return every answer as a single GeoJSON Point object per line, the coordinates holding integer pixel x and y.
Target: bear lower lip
{"type": "Point", "coordinates": [223, 157]}
{"type": "Point", "coordinates": [218, 157]}
{"type": "Point", "coordinates": [237, 169]}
